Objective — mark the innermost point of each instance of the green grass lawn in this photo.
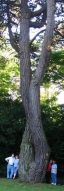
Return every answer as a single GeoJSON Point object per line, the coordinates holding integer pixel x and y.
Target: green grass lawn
{"type": "Point", "coordinates": [15, 185]}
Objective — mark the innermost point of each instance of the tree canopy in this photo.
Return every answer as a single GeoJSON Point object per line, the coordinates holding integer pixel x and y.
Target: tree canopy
{"type": "Point", "coordinates": [10, 19]}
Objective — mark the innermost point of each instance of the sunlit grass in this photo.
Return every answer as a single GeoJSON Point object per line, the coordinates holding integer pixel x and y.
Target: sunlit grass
{"type": "Point", "coordinates": [15, 185]}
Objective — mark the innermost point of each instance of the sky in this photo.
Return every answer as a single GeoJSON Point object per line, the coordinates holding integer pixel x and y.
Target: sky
{"type": "Point", "coordinates": [61, 98]}
{"type": "Point", "coordinates": [52, 89]}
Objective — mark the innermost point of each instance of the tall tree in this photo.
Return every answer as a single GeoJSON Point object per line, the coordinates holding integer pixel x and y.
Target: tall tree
{"type": "Point", "coordinates": [31, 98]}
{"type": "Point", "coordinates": [34, 150]}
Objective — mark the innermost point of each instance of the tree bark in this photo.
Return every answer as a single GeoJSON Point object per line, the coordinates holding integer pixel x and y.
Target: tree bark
{"type": "Point", "coordinates": [34, 150]}
{"type": "Point", "coordinates": [41, 148]}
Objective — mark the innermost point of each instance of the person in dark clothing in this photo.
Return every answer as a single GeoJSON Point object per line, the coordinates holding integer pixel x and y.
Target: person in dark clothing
{"type": "Point", "coordinates": [48, 172]}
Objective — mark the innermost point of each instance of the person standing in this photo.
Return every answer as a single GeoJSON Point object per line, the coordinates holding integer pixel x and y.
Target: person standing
{"type": "Point", "coordinates": [16, 165]}
{"type": "Point", "coordinates": [48, 172]}
{"type": "Point", "coordinates": [54, 173]}
{"type": "Point", "coordinates": [10, 166]}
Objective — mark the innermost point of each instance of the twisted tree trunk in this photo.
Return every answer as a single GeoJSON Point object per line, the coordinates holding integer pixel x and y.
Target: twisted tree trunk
{"type": "Point", "coordinates": [34, 150]}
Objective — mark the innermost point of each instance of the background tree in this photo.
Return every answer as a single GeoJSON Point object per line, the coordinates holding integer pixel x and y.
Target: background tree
{"type": "Point", "coordinates": [9, 72]}
{"type": "Point", "coordinates": [34, 152]}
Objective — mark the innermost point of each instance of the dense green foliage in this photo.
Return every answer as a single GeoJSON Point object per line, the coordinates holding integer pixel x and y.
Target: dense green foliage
{"type": "Point", "coordinates": [12, 124]}
{"type": "Point", "coordinates": [55, 71]}
{"type": "Point", "coordinates": [9, 72]}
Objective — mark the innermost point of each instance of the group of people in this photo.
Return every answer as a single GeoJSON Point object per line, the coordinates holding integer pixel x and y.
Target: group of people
{"type": "Point", "coordinates": [12, 166]}
{"type": "Point", "coordinates": [51, 174]}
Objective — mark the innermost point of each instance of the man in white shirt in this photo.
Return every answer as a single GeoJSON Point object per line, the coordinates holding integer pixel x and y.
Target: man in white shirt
{"type": "Point", "coordinates": [10, 165]}
{"type": "Point", "coordinates": [54, 173]}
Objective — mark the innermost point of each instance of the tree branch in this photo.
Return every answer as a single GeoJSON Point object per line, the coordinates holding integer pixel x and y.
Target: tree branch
{"type": "Point", "coordinates": [60, 32]}
{"type": "Point", "coordinates": [46, 46]}
{"type": "Point", "coordinates": [36, 36]}
{"type": "Point", "coordinates": [14, 45]}
{"type": "Point", "coordinates": [39, 12]}
{"type": "Point", "coordinates": [37, 24]}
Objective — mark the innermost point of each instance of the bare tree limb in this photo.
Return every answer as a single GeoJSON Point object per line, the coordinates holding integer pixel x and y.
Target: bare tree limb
{"type": "Point", "coordinates": [36, 36]}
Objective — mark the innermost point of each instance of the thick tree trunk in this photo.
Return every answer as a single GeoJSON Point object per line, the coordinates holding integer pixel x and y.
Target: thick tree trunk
{"type": "Point", "coordinates": [34, 150]}
{"type": "Point", "coordinates": [26, 155]}
{"type": "Point", "coordinates": [41, 149]}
